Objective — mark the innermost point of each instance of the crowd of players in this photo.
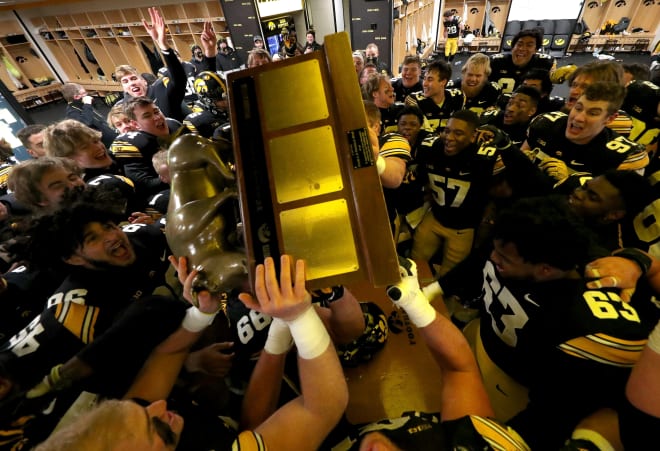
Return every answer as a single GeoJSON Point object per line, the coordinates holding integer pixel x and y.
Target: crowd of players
{"type": "Point", "coordinates": [516, 199]}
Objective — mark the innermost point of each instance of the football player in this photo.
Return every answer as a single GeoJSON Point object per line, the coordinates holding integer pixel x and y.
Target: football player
{"type": "Point", "coordinates": [517, 115]}
{"type": "Point", "coordinates": [168, 92]}
{"type": "Point", "coordinates": [564, 145]}
{"type": "Point", "coordinates": [536, 371]}
{"type": "Point", "coordinates": [480, 94]}
{"type": "Point", "coordinates": [410, 80]}
{"type": "Point", "coordinates": [211, 110]}
{"type": "Point", "coordinates": [508, 69]}
{"type": "Point", "coordinates": [435, 101]}
{"type": "Point", "coordinates": [378, 89]}
{"type": "Point", "coordinates": [453, 28]}
{"type": "Point", "coordinates": [458, 172]}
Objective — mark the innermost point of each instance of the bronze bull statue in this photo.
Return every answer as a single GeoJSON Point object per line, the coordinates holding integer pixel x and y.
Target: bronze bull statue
{"type": "Point", "coordinates": [201, 218]}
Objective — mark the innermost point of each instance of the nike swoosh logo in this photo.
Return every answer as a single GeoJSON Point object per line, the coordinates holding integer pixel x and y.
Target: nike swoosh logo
{"type": "Point", "coordinates": [463, 173]}
{"type": "Point", "coordinates": [529, 299]}
{"type": "Point", "coordinates": [576, 163]}
{"type": "Point", "coordinates": [164, 257]}
{"type": "Point", "coordinates": [480, 102]}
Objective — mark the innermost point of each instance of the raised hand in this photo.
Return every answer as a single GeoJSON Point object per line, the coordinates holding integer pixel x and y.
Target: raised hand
{"type": "Point", "coordinates": [286, 299]}
{"type": "Point", "coordinates": [156, 28]}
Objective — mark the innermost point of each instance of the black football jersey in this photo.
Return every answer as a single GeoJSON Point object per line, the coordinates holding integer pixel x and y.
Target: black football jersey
{"type": "Point", "coordinates": [641, 103]}
{"type": "Point", "coordinates": [436, 116]}
{"type": "Point", "coordinates": [487, 97]}
{"type": "Point", "coordinates": [509, 76]}
{"type": "Point", "coordinates": [204, 123]}
{"type": "Point", "coordinates": [459, 183]}
{"type": "Point", "coordinates": [424, 431]}
{"type": "Point", "coordinates": [85, 305]}
{"type": "Point", "coordinates": [517, 132]}
{"type": "Point", "coordinates": [388, 118]}
{"type": "Point", "coordinates": [401, 92]}
{"type": "Point", "coordinates": [452, 26]}
{"type": "Point", "coordinates": [608, 150]}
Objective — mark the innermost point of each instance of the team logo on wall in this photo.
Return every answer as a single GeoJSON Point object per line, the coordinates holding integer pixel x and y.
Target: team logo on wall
{"type": "Point", "coordinates": [560, 41]}
{"type": "Point", "coordinates": [495, 10]}
{"type": "Point", "coordinates": [474, 11]}
{"type": "Point", "coordinates": [620, 3]}
{"type": "Point", "coordinates": [592, 5]}
{"type": "Point", "coordinates": [271, 25]}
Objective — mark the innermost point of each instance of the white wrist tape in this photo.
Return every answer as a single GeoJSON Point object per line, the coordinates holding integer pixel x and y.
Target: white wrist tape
{"type": "Point", "coordinates": [381, 164]}
{"type": "Point", "coordinates": [196, 321]}
{"type": "Point", "coordinates": [279, 339]}
{"type": "Point", "coordinates": [433, 290]}
{"type": "Point", "coordinates": [412, 300]}
{"type": "Point", "coordinates": [654, 339]}
{"type": "Point", "coordinates": [309, 334]}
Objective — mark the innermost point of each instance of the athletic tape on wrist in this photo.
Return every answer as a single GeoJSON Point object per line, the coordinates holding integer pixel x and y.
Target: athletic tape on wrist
{"type": "Point", "coordinates": [279, 339]}
{"type": "Point", "coordinates": [309, 334]}
{"type": "Point", "coordinates": [414, 303]}
{"type": "Point", "coordinates": [654, 339]}
{"type": "Point", "coordinates": [196, 321]}
{"type": "Point", "coordinates": [381, 164]}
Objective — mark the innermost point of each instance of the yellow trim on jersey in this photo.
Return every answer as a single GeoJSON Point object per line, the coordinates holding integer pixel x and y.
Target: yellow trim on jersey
{"type": "Point", "coordinates": [79, 319]}
{"type": "Point", "coordinates": [635, 161]}
{"type": "Point", "coordinates": [605, 349]}
{"type": "Point", "coordinates": [622, 124]}
{"type": "Point", "coordinates": [395, 146]}
{"type": "Point", "coordinates": [123, 149]}
{"type": "Point", "coordinates": [499, 437]}
{"type": "Point", "coordinates": [249, 441]}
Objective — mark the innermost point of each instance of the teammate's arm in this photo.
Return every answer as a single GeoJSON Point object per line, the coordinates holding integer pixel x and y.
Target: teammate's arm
{"type": "Point", "coordinates": [463, 392]}
{"type": "Point", "coordinates": [324, 392]}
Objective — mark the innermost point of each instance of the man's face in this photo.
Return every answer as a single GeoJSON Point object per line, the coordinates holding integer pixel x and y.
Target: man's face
{"type": "Point", "coordinates": [365, 74]}
{"type": "Point", "coordinates": [103, 245]}
{"type": "Point", "coordinates": [134, 85]}
{"type": "Point", "coordinates": [409, 126]}
{"type": "Point", "coordinates": [358, 63]}
{"type": "Point", "coordinates": [384, 97]}
{"type": "Point", "coordinates": [198, 54]}
{"type": "Point", "coordinates": [371, 53]}
{"type": "Point", "coordinates": [523, 51]}
{"type": "Point", "coordinates": [458, 135]}
{"type": "Point", "coordinates": [56, 184]}
{"type": "Point", "coordinates": [519, 109]}
{"type": "Point", "coordinates": [223, 47]}
{"type": "Point", "coordinates": [150, 119]}
{"type": "Point", "coordinates": [410, 74]}
{"type": "Point", "coordinates": [124, 124]}
{"type": "Point", "coordinates": [508, 262]}
{"type": "Point", "coordinates": [577, 88]}
{"type": "Point", "coordinates": [259, 44]}
{"type": "Point", "coordinates": [433, 85]}
{"type": "Point", "coordinates": [587, 119]}
{"type": "Point", "coordinates": [36, 146]}
{"type": "Point", "coordinates": [92, 155]}
{"type": "Point", "coordinates": [536, 84]}
{"type": "Point", "coordinates": [474, 79]}
{"type": "Point", "coordinates": [310, 38]}
{"type": "Point", "coordinates": [597, 199]}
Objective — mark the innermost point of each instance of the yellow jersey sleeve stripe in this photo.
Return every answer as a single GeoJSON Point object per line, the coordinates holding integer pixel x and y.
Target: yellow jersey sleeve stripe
{"type": "Point", "coordinates": [499, 437]}
{"type": "Point", "coordinates": [249, 441]}
{"type": "Point", "coordinates": [78, 319]}
{"type": "Point", "coordinates": [605, 351]}
{"type": "Point", "coordinates": [634, 161]}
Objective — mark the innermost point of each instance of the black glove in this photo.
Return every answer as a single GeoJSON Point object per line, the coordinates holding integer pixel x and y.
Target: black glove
{"type": "Point", "coordinates": [491, 136]}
